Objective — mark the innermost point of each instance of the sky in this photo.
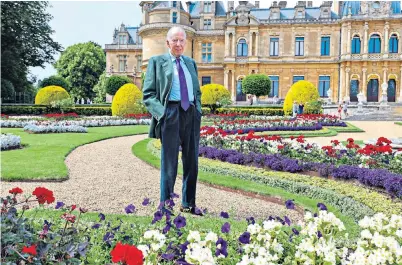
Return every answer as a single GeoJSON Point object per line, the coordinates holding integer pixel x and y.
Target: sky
{"type": "Point", "coordinates": [83, 21]}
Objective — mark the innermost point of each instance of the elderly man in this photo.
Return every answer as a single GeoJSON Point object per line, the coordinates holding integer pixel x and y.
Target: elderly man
{"type": "Point", "coordinates": [173, 97]}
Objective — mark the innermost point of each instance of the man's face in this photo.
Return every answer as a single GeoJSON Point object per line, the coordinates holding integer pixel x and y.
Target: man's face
{"type": "Point", "coordinates": [176, 44]}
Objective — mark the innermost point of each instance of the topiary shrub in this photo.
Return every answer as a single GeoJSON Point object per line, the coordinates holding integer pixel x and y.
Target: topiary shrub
{"type": "Point", "coordinates": [313, 107]}
{"type": "Point", "coordinates": [7, 89]}
{"type": "Point", "coordinates": [302, 92]}
{"type": "Point", "coordinates": [115, 82]}
{"type": "Point", "coordinates": [256, 84]}
{"type": "Point", "coordinates": [128, 100]}
{"type": "Point", "coordinates": [49, 94]}
{"type": "Point", "coordinates": [55, 80]}
{"type": "Point", "coordinates": [214, 96]}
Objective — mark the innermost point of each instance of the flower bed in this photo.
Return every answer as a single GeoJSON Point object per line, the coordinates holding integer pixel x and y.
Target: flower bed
{"type": "Point", "coordinates": [10, 141]}
{"type": "Point", "coordinates": [174, 239]}
{"type": "Point", "coordinates": [50, 128]}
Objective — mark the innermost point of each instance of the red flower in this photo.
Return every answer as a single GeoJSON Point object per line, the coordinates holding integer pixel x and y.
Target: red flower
{"type": "Point", "coordinates": [280, 147]}
{"type": "Point", "coordinates": [68, 217]}
{"type": "Point", "coordinates": [127, 254]}
{"type": "Point", "coordinates": [239, 131]}
{"type": "Point", "coordinates": [15, 191]}
{"type": "Point", "coordinates": [350, 140]}
{"type": "Point", "coordinates": [30, 250]}
{"type": "Point", "coordinates": [335, 142]}
{"type": "Point", "coordinates": [43, 195]}
{"type": "Point", "coordinates": [73, 207]}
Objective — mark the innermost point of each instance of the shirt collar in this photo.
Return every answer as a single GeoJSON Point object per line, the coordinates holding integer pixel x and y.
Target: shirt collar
{"type": "Point", "coordinates": [173, 58]}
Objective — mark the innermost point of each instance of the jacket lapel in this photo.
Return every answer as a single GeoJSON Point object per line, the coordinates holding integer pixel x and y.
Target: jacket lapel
{"type": "Point", "coordinates": [167, 67]}
{"type": "Point", "coordinates": [194, 77]}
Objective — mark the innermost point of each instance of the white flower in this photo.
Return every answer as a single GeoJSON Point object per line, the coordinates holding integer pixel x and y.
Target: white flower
{"type": "Point", "coordinates": [194, 236]}
{"type": "Point", "coordinates": [211, 237]}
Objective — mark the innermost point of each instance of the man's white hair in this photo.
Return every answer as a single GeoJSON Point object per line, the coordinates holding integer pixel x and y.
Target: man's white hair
{"type": "Point", "coordinates": [174, 30]}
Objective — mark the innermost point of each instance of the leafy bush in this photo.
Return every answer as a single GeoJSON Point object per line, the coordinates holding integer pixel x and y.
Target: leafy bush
{"type": "Point", "coordinates": [128, 100]}
{"type": "Point", "coordinates": [100, 89]}
{"type": "Point", "coordinates": [251, 111]}
{"type": "Point", "coordinates": [55, 80]}
{"type": "Point", "coordinates": [115, 82]}
{"type": "Point", "coordinates": [49, 94]}
{"type": "Point", "coordinates": [215, 95]}
{"type": "Point", "coordinates": [313, 107]}
{"type": "Point", "coordinates": [39, 110]}
{"type": "Point", "coordinates": [7, 88]}
{"type": "Point", "coordinates": [62, 105]}
{"type": "Point", "coordinates": [301, 92]}
{"type": "Point", "coordinates": [256, 84]}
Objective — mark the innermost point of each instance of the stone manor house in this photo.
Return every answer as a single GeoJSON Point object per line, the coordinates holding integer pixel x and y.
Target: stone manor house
{"type": "Point", "coordinates": [347, 47]}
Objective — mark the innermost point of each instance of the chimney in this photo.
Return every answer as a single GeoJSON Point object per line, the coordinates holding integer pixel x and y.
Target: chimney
{"type": "Point", "coordinates": [301, 3]}
{"type": "Point", "coordinates": [282, 4]}
{"type": "Point", "coordinates": [257, 4]}
{"type": "Point", "coordinates": [309, 3]}
{"type": "Point", "coordinates": [230, 6]}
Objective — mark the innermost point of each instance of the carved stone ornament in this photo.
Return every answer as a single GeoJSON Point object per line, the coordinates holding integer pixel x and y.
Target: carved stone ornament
{"type": "Point", "coordinates": [242, 16]}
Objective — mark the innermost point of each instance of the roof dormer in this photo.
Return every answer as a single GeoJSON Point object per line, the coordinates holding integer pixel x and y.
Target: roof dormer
{"type": "Point", "coordinates": [325, 9]}
{"type": "Point", "coordinates": [275, 11]}
{"type": "Point", "coordinates": [300, 10]}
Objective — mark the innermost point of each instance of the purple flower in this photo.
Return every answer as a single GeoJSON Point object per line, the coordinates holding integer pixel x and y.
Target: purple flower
{"type": "Point", "coordinates": [101, 216]}
{"type": "Point", "coordinates": [250, 220]}
{"type": "Point", "coordinates": [290, 204]}
{"type": "Point", "coordinates": [130, 209]}
{"type": "Point", "coordinates": [322, 206]}
{"type": "Point", "coordinates": [157, 216]}
{"type": "Point", "coordinates": [166, 228]}
{"type": "Point", "coordinates": [224, 215]}
{"type": "Point", "coordinates": [179, 222]}
{"type": "Point", "coordinates": [174, 195]}
{"type": "Point", "coordinates": [145, 202]}
{"type": "Point", "coordinates": [59, 205]}
{"type": "Point", "coordinates": [245, 238]}
{"type": "Point", "coordinates": [295, 231]}
{"type": "Point", "coordinates": [183, 247]}
{"type": "Point", "coordinates": [170, 203]}
{"type": "Point", "coordinates": [225, 228]}
{"type": "Point", "coordinates": [221, 247]}
{"type": "Point", "coordinates": [287, 221]}
{"type": "Point", "coordinates": [96, 226]}
{"type": "Point", "coordinates": [108, 236]}
{"type": "Point", "coordinates": [168, 256]}
{"type": "Point", "coordinates": [319, 234]}
{"type": "Point", "coordinates": [198, 211]}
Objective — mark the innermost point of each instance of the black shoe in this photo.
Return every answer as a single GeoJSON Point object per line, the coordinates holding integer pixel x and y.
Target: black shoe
{"type": "Point", "coordinates": [193, 210]}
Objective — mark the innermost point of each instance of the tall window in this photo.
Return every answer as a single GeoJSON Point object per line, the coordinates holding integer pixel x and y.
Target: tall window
{"type": "Point", "coordinates": [242, 48]}
{"type": "Point", "coordinates": [274, 47]}
{"type": "Point", "coordinates": [207, 6]}
{"type": "Point", "coordinates": [375, 44]}
{"type": "Point", "coordinates": [206, 80]}
{"type": "Point", "coordinates": [207, 52]}
{"type": "Point", "coordinates": [299, 51]}
{"type": "Point", "coordinates": [122, 63]}
{"type": "Point", "coordinates": [174, 4]}
{"type": "Point", "coordinates": [297, 78]}
{"type": "Point", "coordinates": [139, 62]}
{"type": "Point", "coordinates": [207, 24]}
{"type": "Point", "coordinates": [325, 41]}
{"type": "Point", "coordinates": [356, 44]}
{"type": "Point", "coordinates": [393, 44]}
{"type": "Point", "coordinates": [323, 85]}
{"type": "Point", "coordinates": [174, 17]}
{"type": "Point", "coordinates": [122, 39]}
{"type": "Point", "coordinates": [274, 86]}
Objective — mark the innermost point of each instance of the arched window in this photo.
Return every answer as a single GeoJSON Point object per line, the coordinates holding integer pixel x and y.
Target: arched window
{"type": "Point", "coordinates": [375, 44]}
{"type": "Point", "coordinates": [356, 43]}
{"type": "Point", "coordinates": [393, 44]}
{"type": "Point", "coordinates": [242, 48]}
{"type": "Point", "coordinates": [376, 5]}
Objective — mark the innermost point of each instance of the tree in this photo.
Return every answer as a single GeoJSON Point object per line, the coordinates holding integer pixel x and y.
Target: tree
{"type": "Point", "coordinates": [7, 89]}
{"type": "Point", "coordinates": [25, 40]}
{"type": "Point", "coordinates": [214, 96]}
{"type": "Point", "coordinates": [303, 92]}
{"type": "Point", "coordinates": [81, 65]}
{"type": "Point", "coordinates": [100, 89]}
{"type": "Point", "coordinates": [55, 80]}
{"type": "Point", "coordinates": [115, 82]}
{"type": "Point", "coordinates": [256, 84]}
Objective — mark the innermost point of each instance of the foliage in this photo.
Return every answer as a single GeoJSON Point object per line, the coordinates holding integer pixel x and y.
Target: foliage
{"type": "Point", "coordinates": [301, 92]}
{"type": "Point", "coordinates": [49, 94]}
{"type": "Point", "coordinates": [26, 40]}
{"type": "Point", "coordinates": [7, 89]}
{"type": "Point", "coordinates": [256, 84]}
{"type": "Point", "coordinates": [38, 110]}
{"type": "Point", "coordinates": [55, 80]}
{"type": "Point", "coordinates": [128, 100]}
{"type": "Point", "coordinates": [115, 82]}
{"type": "Point", "coordinates": [313, 107]}
{"type": "Point", "coordinates": [81, 65]}
{"type": "Point", "coordinates": [215, 95]}
{"type": "Point", "coordinates": [100, 89]}
{"type": "Point", "coordinates": [62, 105]}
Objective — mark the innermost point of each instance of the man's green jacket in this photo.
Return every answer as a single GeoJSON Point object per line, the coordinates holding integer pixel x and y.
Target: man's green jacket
{"type": "Point", "coordinates": [157, 86]}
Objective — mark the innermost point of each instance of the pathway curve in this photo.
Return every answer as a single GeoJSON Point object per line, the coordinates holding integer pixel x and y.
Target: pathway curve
{"type": "Point", "coordinates": [373, 130]}
{"type": "Point", "coordinates": [105, 176]}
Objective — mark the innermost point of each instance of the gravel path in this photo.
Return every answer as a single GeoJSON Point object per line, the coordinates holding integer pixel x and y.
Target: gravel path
{"type": "Point", "coordinates": [105, 176]}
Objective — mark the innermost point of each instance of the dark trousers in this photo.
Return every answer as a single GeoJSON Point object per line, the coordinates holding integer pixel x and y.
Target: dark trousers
{"type": "Point", "coordinates": [180, 128]}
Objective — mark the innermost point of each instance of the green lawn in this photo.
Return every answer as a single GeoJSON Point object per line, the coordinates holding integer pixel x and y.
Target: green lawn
{"type": "Point", "coordinates": [43, 156]}
{"type": "Point", "coordinates": [398, 123]}
{"type": "Point", "coordinates": [349, 128]}
{"type": "Point", "coordinates": [140, 150]}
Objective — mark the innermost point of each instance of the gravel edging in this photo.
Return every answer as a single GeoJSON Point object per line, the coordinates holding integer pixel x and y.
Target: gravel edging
{"type": "Point", "coordinates": [105, 176]}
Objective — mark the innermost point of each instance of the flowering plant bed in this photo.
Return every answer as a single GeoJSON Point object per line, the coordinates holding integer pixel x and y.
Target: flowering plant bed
{"type": "Point", "coordinates": [61, 116]}
{"type": "Point", "coordinates": [10, 141]}
{"type": "Point", "coordinates": [43, 127]}
{"type": "Point", "coordinates": [66, 236]}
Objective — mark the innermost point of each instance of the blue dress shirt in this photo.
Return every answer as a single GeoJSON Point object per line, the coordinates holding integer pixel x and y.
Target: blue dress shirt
{"type": "Point", "coordinates": [175, 92]}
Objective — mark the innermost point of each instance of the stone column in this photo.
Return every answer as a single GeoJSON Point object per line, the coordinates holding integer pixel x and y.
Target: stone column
{"type": "Point", "coordinates": [342, 83]}
{"type": "Point", "coordinates": [386, 39]}
{"type": "Point", "coordinates": [250, 43]}
{"type": "Point", "coordinates": [257, 39]}
{"type": "Point", "coordinates": [365, 43]}
{"type": "Point", "coordinates": [233, 87]}
{"type": "Point", "coordinates": [225, 79]}
{"type": "Point", "coordinates": [233, 44]}
{"type": "Point", "coordinates": [349, 41]}
{"type": "Point", "coordinates": [364, 83]}
{"type": "Point", "coordinates": [400, 86]}
{"type": "Point", "coordinates": [227, 44]}
{"type": "Point", "coordinates": [200, 49]}
{"type": "Point", "coordinates": [347, 84]}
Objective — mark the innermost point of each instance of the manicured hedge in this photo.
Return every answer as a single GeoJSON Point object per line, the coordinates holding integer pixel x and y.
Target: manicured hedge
{"type": "Point", "coordinates": [39, 110]}
{"type": "Point", "coordinates": [251, 111]}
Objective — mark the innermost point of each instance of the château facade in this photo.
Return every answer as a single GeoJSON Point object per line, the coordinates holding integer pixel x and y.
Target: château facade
{"type": "Point", "coordinates": [347, 47]}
